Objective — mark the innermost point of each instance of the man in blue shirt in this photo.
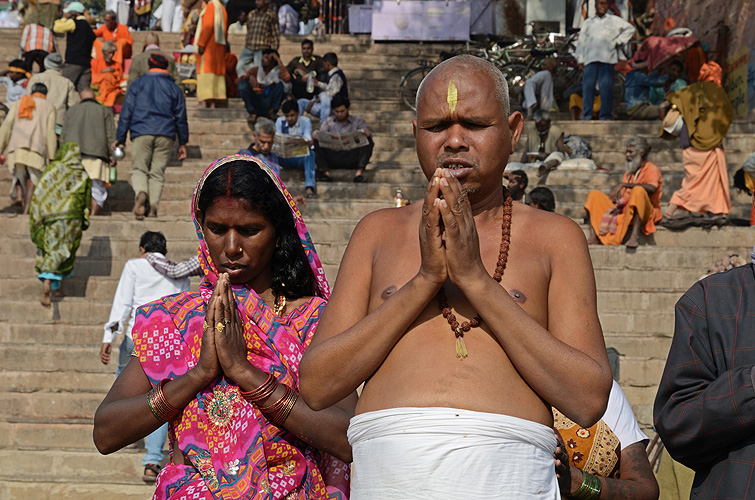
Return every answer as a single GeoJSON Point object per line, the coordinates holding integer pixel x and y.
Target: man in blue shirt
{"type": "Point", "coordinates": [154, 115]}
{"type": "Point", "coordinates": [637, 90]}
{"type": "Point", "coordinates": [292, 123]}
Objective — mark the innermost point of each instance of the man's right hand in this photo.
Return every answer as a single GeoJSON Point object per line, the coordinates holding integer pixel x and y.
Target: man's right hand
{"type": "Point", "coordinates": [581, 67]}
{"type": "Point", "coordinates": [105, 352]}
{"type": "Point", "coordinates": [432, 248]}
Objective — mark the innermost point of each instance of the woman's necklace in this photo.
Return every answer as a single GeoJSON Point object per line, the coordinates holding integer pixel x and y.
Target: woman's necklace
{"type": "Point", "coordinates": [279, 306]}
{"type": "Point", "coordinates": [500, 267]}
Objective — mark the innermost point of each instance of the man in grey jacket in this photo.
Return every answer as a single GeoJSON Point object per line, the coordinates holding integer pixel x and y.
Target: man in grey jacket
{"type": "Point", "coordinates": [705, 407]}
{"type": "Point", "coordinates": [91, 125]}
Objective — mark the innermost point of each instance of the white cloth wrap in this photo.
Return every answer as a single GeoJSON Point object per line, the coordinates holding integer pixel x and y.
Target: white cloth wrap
{"type": "Point", "coordinates": [446, 453]}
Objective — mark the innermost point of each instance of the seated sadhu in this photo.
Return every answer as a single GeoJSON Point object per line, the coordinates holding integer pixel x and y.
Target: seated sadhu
{"type": "Point", "coordinates": [106, 75]}
{"type": "Point", "coordinates": [635, 201]}
{"type": "Point", "coordinates": [111, 31]}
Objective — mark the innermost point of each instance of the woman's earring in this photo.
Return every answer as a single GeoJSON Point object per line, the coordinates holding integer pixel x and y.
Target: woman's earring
{"type": "Point", "coordinates": [278, 243]}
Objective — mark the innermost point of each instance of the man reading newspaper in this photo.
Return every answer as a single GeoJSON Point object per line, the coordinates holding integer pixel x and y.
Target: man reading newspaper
{"type": "Point", "coordinates": [293, 144]}
{"type": "Point", "coordinates": [343, 141]}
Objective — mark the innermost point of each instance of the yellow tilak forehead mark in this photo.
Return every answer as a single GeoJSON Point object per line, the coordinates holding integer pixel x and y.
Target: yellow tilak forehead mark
{"type": "Point", "coordinates": [452, 97]}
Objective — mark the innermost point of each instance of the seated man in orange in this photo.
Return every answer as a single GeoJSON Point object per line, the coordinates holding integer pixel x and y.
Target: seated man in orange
{"type": "Point", "coordinates": [111, 31]}
{"type": "Point", "coordinates": [107, 75]}
{"type": "Point", "coordinates": [635, 201]}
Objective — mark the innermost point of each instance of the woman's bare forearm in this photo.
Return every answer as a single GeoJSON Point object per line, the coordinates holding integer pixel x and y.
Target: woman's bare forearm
{"type": "Point", "coordinates": [124, 415]}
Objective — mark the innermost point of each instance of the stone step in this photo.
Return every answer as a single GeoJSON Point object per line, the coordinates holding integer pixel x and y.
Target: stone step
{"type": "Point", "coordinates": [49, 405]}
{"type": "Point", "coordinates": [47, 435]}
{"type": "Point", "coordinates": [86, 468]}
{"type": "Point", "coordinates": [51, 381]}
{"type": "Point", "coordinates": [647, 257]}
{"type": "Point", "coordinates": [640, 346]}
{"type": "Point", "coordinates": [39, 486]}
{"type": "Point", "coordinates": [52, 333]}
{"type": "Point", "coordinates": [79, 357]}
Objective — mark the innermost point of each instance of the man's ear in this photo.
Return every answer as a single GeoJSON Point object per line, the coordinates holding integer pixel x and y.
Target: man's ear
{"type": "Point", "coordinates": [414, 128]}
{"type": "Point", "coordinates": [516, 124]}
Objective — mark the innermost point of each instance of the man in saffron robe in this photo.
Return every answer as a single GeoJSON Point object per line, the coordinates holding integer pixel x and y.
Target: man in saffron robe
{"type": "Point", "coordinates": [107, 74]}
{"type": "Point", "coordinates": [707, 114]}
{"type": "Point", "coordinates": [111, 31]}
{"type": "Point", "coordinates": [210, 41]}
{"type": "Point", "coordinates": [635, 201]}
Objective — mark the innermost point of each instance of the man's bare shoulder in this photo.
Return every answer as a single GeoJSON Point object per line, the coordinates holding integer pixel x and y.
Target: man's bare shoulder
{"type": "Point", "coordinates": [549, 229]}
{"type": "Point", "coordinates": [386, 220]}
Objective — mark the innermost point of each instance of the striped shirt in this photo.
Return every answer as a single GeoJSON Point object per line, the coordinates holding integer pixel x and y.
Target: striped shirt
{"type": "Point", "coordinates": [37, 37]}
{"type": "Point", "coordinates": [174, 270]}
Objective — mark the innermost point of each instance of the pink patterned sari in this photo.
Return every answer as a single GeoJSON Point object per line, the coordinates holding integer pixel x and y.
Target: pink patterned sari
{"type": "Point", "coordinates": [234, 450]}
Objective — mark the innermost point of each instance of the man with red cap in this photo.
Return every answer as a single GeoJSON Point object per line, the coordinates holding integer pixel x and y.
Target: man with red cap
{"type": "Point", "coordinates": [154, 112]}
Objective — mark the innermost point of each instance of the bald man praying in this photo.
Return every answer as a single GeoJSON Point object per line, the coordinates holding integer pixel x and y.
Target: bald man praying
{"type": "Point", "coordinates": [487, 323]}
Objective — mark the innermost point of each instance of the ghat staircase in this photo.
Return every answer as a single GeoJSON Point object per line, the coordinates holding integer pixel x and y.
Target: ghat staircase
{"type": "Point", "coordinates": [51, 380]}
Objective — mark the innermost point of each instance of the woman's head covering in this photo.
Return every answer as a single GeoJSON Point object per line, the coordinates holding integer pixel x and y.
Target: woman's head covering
{"type": "Point", "coordinates": [234, 450]}
{"type": "Point", "coordinates": [211, 272]}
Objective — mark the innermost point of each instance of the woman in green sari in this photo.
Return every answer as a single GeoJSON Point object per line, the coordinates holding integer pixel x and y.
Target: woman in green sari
{"type": "Point", "coordinates": [59, 214]}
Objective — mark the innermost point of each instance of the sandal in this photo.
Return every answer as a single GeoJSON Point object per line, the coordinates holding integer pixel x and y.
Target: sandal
{"type": "Point", "coordinates": [360, 178]}
{"type": "Point", "coordinates": [322, 177]}
{"type": "Point", "coordinates": [150, 473]}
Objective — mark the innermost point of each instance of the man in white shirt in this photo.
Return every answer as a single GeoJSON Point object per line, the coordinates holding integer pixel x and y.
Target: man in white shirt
{"type": "Point", "coordinates": [288, 19]}
{"type": "Point", "coordinates": [597, 53]}
{"type": "Point", "coordinates": [538, 90]}
{"type": "Point", "coordinates": [144, 280]}
{"type": "Point", "coordinates": [293, 123]}
{"type": "Point", "coordinates": [239, 27]}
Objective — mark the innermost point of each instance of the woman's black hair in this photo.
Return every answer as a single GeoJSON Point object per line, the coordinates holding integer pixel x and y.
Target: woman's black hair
{"type": "Point", "coordinates": [543, 198]}
{"type": "Point", "coordinates": [292, 275]}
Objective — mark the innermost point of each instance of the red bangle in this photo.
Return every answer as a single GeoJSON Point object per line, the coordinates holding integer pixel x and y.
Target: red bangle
{"type": "Point", "coordinates": [278, 412]}
{"type": "Point", "coordinates": [262, 392]}
{"type": "Point", "coordinates": [158, 404]}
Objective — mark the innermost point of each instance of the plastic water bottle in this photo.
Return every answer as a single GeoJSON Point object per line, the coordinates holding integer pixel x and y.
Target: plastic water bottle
{"type": "Point", "coordinates": [113, 175]}
{"type": "Point", "coordinates": [399, 199]}
{"type": "Point", "coordinates": [311, 82]}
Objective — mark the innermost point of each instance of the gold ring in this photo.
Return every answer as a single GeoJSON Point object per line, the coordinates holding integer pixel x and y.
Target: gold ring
{"type": "Point", "coordinates": [219, 327]}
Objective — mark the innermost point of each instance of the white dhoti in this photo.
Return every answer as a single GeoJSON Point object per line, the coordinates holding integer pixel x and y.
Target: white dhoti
{"type": "Point", "coordinates": [445, 453]}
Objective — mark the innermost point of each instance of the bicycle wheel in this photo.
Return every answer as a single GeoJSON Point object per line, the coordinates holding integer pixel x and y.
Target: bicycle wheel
{"type": "Point", "coordinates": [409, 85]}
{"type": "Point", "coordinates": [516, 75]}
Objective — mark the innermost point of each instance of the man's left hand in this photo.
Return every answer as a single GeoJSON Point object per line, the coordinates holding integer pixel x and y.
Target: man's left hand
{"type": "Point", "coordinates": [181, 156]}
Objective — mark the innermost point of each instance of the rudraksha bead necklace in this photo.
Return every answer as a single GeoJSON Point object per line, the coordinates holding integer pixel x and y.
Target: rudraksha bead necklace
{"type": "Point", "coordinates": [500, 267]}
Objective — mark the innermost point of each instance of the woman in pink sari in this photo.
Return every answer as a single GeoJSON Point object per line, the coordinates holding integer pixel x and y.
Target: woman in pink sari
{"type": "Point", "coordinates": [221, 365]}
